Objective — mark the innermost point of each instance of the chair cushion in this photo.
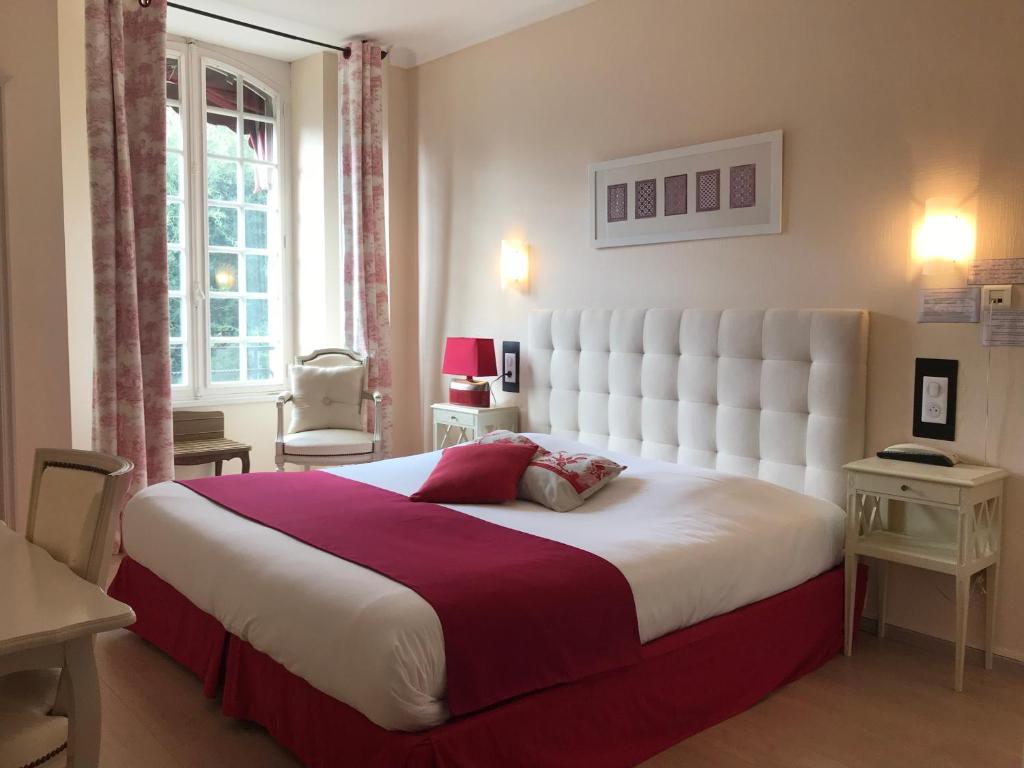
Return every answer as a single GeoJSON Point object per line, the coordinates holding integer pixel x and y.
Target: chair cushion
{"type": "Point", "coordinates": [328, 442]}
{"type": "Point", "coordinates": [476, 474]}
{"type": "Point", "coordinates": [327, 398]}
{"type": "Point", "coordinates": [27, 732]}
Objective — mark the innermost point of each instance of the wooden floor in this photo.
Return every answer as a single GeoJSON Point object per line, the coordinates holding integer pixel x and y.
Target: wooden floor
{"type": "Point", "coordinates": [890, 705]}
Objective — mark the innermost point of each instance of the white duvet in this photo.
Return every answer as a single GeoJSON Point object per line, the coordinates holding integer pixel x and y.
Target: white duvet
{"type": "Point", "coordinates": [693, 543]}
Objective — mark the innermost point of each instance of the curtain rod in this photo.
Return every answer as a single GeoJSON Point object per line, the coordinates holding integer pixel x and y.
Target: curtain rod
{"type": "Point", "coordinates": [346, 51]}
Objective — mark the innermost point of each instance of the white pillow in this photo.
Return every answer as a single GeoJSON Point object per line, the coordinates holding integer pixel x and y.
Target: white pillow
{"type": "Point", "coordinates": [561, 480]}
{"type": "Point", "coordinates": [326, 398]}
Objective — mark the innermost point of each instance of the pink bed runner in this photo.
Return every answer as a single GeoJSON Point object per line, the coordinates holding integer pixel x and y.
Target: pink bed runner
{"type": "Point", "coordinates": [519, 612]}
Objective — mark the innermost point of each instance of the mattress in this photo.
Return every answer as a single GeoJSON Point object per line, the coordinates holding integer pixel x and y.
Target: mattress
{"type": "Point", "coordinates": [692, 543]}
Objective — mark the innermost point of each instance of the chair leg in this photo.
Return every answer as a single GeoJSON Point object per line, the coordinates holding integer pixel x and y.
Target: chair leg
{"type": "Point", "coordinates": [245, 463]}
{"type": "Point", "coordinates": [218, 467]}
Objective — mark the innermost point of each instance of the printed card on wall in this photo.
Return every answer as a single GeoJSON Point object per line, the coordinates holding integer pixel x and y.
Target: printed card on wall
{"type": "Point", "coordinates": [720, 189]}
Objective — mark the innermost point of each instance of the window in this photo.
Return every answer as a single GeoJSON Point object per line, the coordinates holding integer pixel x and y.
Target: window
{"type": "Point", "coordinates": [224, 231]}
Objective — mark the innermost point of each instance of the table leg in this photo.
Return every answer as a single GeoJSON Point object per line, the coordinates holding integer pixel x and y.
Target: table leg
{"type": "Point", "coordinates": [84, 704]}
{"type": "Point", "coordinates": [218, 467]}
{"type": "Point", "coordinates": [851, 599]}
{"type": "Point", "coordinates": [963, 603]}
{"type": "Point", "coordinates": [245, 463]}
{"type": "Point", "coordinates": [883, 594]}
{"type": "Point", "coordinates": [991, 588]}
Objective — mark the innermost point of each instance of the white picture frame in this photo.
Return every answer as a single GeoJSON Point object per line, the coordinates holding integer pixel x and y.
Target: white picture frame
{"type": "Point", "coordinates": [667, 196]}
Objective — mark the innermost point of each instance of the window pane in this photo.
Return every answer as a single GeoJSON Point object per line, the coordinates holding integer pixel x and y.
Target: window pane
{"type": "Point", "coordinates": [259, 180]}
{"type": "Point", "coordinates": [255, 273]}
{"type": "Point", "coordinates": [222, 180]}
{"type": "Point", "coordinates": [223, 225]}
{"type": "Point", "coordinates": [172, 68]}
{"type": "Point", "coordinates": [177, 364]}
{"type": "Point", "coordinates": [223, 272]}
{"type": "Point", "coordinates": [224, 317]}
{"type": "Point", "coordinates": [222, 135]}
{"type": "Point", "coordinates": [174, 307]}
{"type": "Point", "coordinates": [256, 229]}
{"type": "Point", "coordinates": [255, 101]}
{"type": "Point", "coordinates": [221, 89]}
{"type": "Point", "coordinates": [173, 115]}
{"type": "Point", "coordinates": [258, 362]}
{"type": "Point", "coordinates": [174, 223]}
{"type": "Point", "coordinates": [174, 175]}
{"type": "Point", "coordinates": [224, 362]}
{"type": "Point", "coordinates": [258, 143]}
{"type": "Point", "coordinates": [257, 317]}
{"type": "Point", "coordinates": [173, 269]}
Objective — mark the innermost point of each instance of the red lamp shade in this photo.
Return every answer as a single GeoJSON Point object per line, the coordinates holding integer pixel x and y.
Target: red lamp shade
{"type": "Point", "coordinates": [464, 356]}
{"type": "Point", "coordinates": [469, 357]}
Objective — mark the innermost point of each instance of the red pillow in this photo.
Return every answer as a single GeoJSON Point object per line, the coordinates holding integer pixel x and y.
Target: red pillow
{"type": "Point", "coordinates": [477, 474]}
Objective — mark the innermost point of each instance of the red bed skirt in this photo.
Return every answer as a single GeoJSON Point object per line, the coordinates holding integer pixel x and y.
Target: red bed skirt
{"type": "Point", "coordinates": [686, 682]}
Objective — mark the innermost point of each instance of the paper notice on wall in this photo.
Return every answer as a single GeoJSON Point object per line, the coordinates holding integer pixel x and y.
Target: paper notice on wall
{"type": "Point", "coordinates": [995, 271]}
{"type": "Point", "coordinates": [950, 305]}
{"type": "Point", "coordinates": [1003, 328]}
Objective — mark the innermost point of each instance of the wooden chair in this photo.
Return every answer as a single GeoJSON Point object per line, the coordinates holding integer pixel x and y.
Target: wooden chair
{"type": "Point", "coordinates": [73, 508]}
{"type": "Point", "coordinates": [329, 447]}
{"type": "Point", "coordinates": [199, 439]}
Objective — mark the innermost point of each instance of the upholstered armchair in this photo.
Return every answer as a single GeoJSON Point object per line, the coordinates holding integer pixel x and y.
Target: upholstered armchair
{"type": "Point", "coordinates": [328, 420]}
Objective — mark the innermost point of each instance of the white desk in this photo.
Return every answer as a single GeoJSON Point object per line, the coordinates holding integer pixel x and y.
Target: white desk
{"type": "Point", "coordinates": [48, 617]}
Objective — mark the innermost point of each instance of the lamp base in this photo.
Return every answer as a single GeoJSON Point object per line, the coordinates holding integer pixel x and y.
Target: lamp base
{"type": "Point", "coordinates": [469, 392]}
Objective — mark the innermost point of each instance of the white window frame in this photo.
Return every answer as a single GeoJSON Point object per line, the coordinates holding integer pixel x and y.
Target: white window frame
{"type": "Point", "coordinates": [194, 58]}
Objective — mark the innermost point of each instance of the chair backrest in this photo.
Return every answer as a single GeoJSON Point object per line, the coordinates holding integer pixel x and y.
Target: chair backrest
{"type": "Point", "coordinates": [73, 505]}
{"type": "Point", "coordinates": [336, 356]}
{"type": "Point", "coordinates": [198, 425]}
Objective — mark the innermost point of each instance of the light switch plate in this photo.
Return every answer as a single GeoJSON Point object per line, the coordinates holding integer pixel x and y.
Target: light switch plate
{"type": "Point", "coordinates": [510, 366]}
{"type": "Point", "coordinates": [935, 398]}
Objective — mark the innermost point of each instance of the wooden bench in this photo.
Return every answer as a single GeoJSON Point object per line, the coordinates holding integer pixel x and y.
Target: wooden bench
{"type": "Point", "coordinates": [199, 439]}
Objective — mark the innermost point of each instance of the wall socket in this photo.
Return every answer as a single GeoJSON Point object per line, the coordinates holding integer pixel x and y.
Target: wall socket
{"type": "Point", "coordinates": [934, 399]}
{"type": "Point", "coordinates": [997, 297]}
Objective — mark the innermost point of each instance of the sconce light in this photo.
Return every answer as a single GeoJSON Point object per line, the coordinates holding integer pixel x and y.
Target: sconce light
{"type": "Point", "coordinates": [945, 236]}
{"type": "Point", "coordinates": [515, 265]}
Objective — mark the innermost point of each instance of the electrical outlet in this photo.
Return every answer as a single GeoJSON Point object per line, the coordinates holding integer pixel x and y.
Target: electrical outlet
{"type": "Point", "coordinates": [510, 366]}
{"type": "Point", "coordinates": [997, 297]}
{"type": "Point", "coordinates": [934, 399]}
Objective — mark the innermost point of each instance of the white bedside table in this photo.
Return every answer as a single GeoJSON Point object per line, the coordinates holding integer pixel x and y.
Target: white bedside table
{"type": "Point", "coordinates": [873, 529]}
{"type": "Point", "coordinates": [454, 424]}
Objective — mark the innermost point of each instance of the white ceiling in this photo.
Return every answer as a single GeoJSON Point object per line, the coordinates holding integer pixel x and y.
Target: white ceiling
{"type": "Point", "coordinates": [416, 30]}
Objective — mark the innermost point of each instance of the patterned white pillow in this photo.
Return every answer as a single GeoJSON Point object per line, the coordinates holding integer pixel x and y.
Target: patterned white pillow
{"type": "Point", "coordinates": [326, 398]}
{"type": "Point", "coordinates": [561, 480]}
{"type": "Point", "coordinates": [507, 436]}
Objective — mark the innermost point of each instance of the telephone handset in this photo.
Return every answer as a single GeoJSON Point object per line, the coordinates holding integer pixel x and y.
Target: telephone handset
{"type": "Point", "coordinates": [922, 454]}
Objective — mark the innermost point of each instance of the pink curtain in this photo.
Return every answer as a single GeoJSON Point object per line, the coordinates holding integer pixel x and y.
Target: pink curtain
{"type": "Point", "coordinates": [365, 262]}
{"type": "Point", "coordinates": [125, 113]}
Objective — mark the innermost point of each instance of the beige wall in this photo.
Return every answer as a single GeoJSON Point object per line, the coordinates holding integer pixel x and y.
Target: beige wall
{"type": "Point", "coordinates": [35, 236]}
{"type": "Point", "coordinates": [884, 105]}
{"type": "Point", "coordinates": [403, 271]}
{"type": "Point", "coordinates": [77, 218]}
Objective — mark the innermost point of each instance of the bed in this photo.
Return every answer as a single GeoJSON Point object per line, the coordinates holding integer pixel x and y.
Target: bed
{"type": "Point", "coordinates": [727, 526]}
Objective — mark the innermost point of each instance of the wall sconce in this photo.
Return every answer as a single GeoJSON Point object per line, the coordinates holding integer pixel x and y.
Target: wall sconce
{"type": "Point", "coordinates": [515, 265]}
{"type": "Point", "coordinates": [944, 237]}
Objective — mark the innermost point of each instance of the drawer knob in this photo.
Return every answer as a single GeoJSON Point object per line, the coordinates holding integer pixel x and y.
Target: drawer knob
{"type": "Point", "coordinates": [454, 418]}
{"type": "Point", "coordinates": [904, 487]}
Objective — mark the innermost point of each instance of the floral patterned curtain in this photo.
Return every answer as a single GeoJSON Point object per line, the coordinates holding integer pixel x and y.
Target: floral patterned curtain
{"type": "Point", "coordinates": [125, 46]}
{"type": "Point", "coordinates": [365, 264]}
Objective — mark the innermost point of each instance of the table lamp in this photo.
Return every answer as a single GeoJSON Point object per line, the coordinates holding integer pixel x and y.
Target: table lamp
{"type": "Point", "coordinates": [468, 357]}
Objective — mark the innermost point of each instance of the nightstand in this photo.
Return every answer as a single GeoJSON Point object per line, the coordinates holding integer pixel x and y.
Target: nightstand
{"type": "Point", "coordinates": [881, 493]}
{"type": "Point", "coordinates": [454, 424]}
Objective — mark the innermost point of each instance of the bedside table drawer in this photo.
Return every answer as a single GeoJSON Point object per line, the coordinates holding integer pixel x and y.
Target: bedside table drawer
{"type": "Point", "coordinates": [912, 490]}
{"type": "Point", "coordinates": [456, 418]}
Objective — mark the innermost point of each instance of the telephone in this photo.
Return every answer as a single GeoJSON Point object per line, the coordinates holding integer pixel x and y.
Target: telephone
{"type": "Point", "coordinates": [922, 454]}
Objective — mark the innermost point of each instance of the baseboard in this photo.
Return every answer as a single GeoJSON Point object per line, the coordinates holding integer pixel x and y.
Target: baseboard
{"type": "Point", "coordinates": [974, 656]}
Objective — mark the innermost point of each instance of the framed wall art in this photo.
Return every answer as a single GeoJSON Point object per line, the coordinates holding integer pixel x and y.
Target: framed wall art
{"type": "Point", "coordinates": [719, 189]}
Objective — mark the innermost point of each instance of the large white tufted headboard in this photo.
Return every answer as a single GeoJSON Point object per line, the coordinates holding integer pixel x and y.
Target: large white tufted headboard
{"type": "Point", "coordinates": [776, 394]}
